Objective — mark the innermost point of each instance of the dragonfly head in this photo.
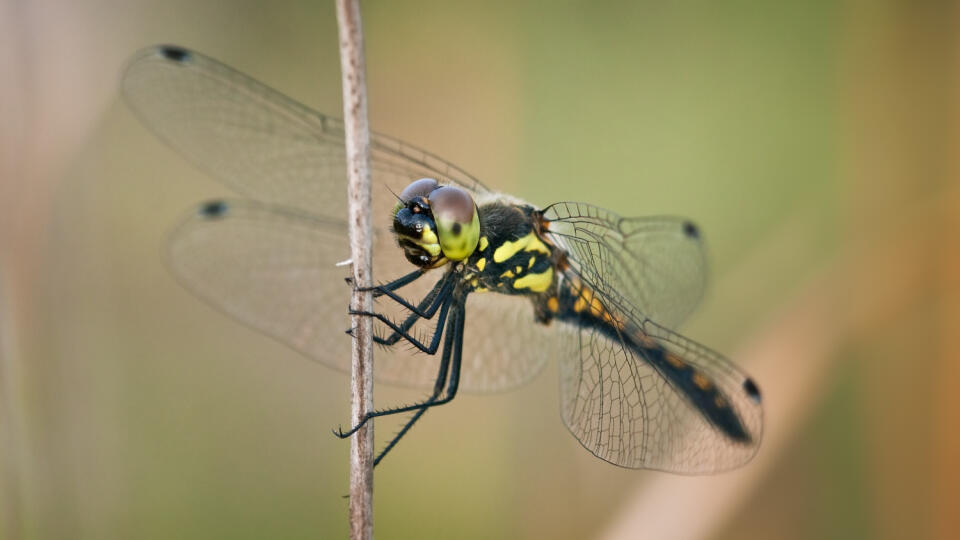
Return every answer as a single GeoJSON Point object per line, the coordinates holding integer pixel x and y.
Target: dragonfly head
{"type": "Point", "coordinates": [435, 224]}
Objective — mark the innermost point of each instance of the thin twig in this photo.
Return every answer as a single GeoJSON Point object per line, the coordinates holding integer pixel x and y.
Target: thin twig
{"type": "Point", "coordinates": [11, 423]}
{"type": "Point", "coordinates": [358, 174]}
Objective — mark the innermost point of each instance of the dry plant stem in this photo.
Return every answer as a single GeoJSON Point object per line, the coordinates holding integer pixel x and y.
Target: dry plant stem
{"type": "Point", "coordinates": [357, 134]}
{"type": "Point", "coordinates": [11, 452]}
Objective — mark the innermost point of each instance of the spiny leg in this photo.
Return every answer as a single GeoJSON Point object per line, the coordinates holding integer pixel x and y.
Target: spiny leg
{"type": "Point", "coordinates": [425, 310]}
{"type": "Point", "coordinates": [427, 314]}
{"type": "Point", "coordinates": [450, 344]}
{"type": "Point", "coordinates": [458, 326]}
{"type": "Point", "coordinates": [403, 333]}
{"type": "Point", "coordinates": [392, 285]}
{"type": "Point", "coordinates": [388, 288]}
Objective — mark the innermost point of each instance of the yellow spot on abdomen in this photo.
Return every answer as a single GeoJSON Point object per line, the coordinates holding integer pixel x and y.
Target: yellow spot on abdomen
{"type": "Point", "coordinates": [596, 307]}
{"type": "Point", "coordinates": [674, 360]}
{"type": "Point", "coordinates": [553, 304]}
{"type": "Point", "coordinates": [612, 320]}
{"type": "Point", "coordinates": [702, 382]}
{"type": "Point", "coordinates": [583, 300]}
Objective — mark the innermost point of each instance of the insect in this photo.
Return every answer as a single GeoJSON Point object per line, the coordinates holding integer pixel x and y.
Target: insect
{"type": "Point", "coordinates": [489, 287]}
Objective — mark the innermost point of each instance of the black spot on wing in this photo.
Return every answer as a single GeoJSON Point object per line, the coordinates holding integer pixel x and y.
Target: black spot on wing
{"type": "Point", "coordinates": [213, 209]}
{"type": "Point", "coordinates": [712, 405]}
{"type": "Point", "coordinates": [174, 53]}
{"type": "Point", "coordinates": [751, 389]}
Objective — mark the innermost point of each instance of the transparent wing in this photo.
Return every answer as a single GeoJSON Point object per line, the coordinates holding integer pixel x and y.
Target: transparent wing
{"type": "Point", "coordinates": [503, 345]}
{"type": "Point", "coordinates": [274, 269]}
{"type": "Point", "coordinates": [270, 262]}
{"type": "Point", "coordinates": [656, 264]}
{"type": "Point", "coordinates": [624, 411]}
{"type": "Point", "coordinates": [260, 142]}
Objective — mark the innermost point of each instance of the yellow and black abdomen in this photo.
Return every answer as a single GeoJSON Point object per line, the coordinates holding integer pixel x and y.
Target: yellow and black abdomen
{"type": "Point", "coordinates": [577, 304]}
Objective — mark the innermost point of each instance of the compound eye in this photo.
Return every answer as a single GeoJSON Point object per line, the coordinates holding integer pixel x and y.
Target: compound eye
{"type": "Point", "coordinates": [418, 188]}
{"type": "Point", "coordinates": [458, 224]}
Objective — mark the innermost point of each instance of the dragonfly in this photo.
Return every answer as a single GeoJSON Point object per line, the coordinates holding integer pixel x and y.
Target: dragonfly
{"type": "Point", "coordinates": [482, 288]}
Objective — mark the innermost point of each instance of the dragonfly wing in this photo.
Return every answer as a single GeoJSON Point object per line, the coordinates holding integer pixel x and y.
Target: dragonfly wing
{"type": "Point", "coordinates": [274, 269]}
{"type": "Point", "coordinates": [626, 411]}
{"type": "Point", "coordinates": [656, 264]}
{"type": "Point", "coordinates": [260, 142]}
{"type": "Point", "coordinates": [269, 263]}
{"type": "Point", "coordinates": [271, 268]}
{"type": "Point", "coordinates": [503, 345]}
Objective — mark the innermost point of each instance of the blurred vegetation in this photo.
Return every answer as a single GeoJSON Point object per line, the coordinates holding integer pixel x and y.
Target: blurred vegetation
{"type": "Point", "coordinates": [796, 134]}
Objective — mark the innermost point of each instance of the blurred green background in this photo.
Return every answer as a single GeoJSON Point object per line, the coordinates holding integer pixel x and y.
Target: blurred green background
{"type": "Point", "coordinates": [814, 142]}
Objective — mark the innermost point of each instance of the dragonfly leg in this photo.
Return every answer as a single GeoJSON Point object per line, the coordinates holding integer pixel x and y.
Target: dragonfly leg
{"type": "Point", "coordinates": [451, 391]}
{"type": "Point", "coordinates": [402, 281]}
{"type": "Point", "coordinates": [387, 289]}
{"type": "Point", "coordinates": [424, 310]}
{"type": "Point", "coordinates": [416, 310]}
{"type": "Point", "coordinates": [435, 302]}
{"type": "Point", "coordinates": [402, 331]}
{"type": "Point", "coordinates": [452, 344]}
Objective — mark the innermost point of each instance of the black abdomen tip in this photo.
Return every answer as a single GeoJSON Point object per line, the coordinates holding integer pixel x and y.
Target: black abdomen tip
{"type": "Point", "coordinates": [213, 209]}
{"type": "Point", "coordinates": [174, 53]}
{"type": "Point", "coordinates": [751, 389]}
{"type": "Point", "coordinates": [690, 229]}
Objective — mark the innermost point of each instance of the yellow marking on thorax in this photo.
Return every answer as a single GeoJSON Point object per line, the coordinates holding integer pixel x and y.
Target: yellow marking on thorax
{"type": "Point", "coordinates": [481, 264]}
{"type": "Point", "coordinates": [507, 274]}
{"type": "Point", "coordinates": [535, 282]}
{"type": "Point", "coordinates": [533, 259]}
{"type": "Point", "coordinates": [508, 249]}
{"type": "Point", "coordinates": [483, 243]}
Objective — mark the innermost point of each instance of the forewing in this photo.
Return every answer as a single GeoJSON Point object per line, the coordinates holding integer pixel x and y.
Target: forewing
{"type": "Point", "coordinates": [624, 411]}
{"type": "Point", "coordinates": [656, 264]}
{"type": "Point", "coordinates": [270, 262]}
{"type": "Point", "coordinates": [260, 142]}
